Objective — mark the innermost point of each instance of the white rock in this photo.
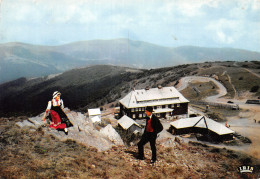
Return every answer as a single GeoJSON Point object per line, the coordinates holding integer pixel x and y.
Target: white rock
{"type": "Point", "coordinates": [111, 133]}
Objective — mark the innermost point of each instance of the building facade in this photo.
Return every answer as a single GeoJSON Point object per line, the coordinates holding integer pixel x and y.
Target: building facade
{"type": "Point", "coordinates": [166, 101]}
{"type": "Point", "coordinates": [210, 129]}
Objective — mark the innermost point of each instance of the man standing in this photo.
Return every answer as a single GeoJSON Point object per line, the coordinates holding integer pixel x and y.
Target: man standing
{"type": "Point", "coordinates": [152, 128]}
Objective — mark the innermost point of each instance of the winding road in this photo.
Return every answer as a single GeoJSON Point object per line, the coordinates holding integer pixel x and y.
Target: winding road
{"type": "Point", "coordinates": [184, 82]}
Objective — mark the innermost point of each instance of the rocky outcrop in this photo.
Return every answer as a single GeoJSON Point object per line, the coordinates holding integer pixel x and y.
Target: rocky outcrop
{"type": "Point", "coordinates": [82, 131]}
{"type": "Point", "coordinates": [111, 133]}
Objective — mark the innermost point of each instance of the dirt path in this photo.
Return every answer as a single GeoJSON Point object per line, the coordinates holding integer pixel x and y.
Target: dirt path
{"type": "Point", "coordinates": [184, 82]}
{"type": "Point", "coordinates": [255, 74]}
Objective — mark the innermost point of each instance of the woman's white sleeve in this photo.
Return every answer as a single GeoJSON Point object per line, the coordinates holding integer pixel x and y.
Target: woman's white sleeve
{"type": "Point", "coordinates": [49, 105]}
{"type": "Point", "coordinates": [62, 104]}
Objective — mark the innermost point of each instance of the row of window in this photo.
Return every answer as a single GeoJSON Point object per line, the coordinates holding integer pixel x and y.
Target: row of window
{"type": "Point", "coordinates": [142, 115]}
{"type": "Point", "coordinates": [155, 107]}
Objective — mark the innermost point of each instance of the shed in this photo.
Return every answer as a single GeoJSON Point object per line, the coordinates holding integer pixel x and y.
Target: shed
{"type": "Point", "coordinates": [129, 125]}
{"type": "Point", "coordinates": [95, 119]}
{"type": "Point", "coordinates": [204, 126]}
{"type": "Point", "coordinates": [94, 112]}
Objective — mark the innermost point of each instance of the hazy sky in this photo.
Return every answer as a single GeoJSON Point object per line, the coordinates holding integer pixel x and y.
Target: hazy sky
{"type": "Point", "coordinates": [206, 23]}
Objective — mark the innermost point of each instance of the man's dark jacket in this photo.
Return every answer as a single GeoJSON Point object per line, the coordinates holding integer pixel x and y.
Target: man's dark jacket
{"type": "Point", "coordinates": [156, 124]}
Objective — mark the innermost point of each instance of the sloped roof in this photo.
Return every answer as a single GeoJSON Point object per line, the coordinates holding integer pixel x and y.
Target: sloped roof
{"type": "Point", "coordinates": [186, 122]}
{"type": "Point", "coordinates": [95, 119]}
{"type": "Point", "coordinates": [153, 97]}
{"type": "Point", "coordinates": [95, 111]}
{"type": "Point", "coordinates": [202, 122]}
{"type": "Point", "coordinates": [127, 122]}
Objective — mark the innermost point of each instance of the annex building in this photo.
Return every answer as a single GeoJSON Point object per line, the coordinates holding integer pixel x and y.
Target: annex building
{"type": "Point", "coordinates": [202, 125]}
{"type": "Point", "coordinates": [166, 101]}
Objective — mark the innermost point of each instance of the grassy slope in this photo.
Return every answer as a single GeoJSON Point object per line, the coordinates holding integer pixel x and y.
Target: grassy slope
{"type": "Point", "coordinates": [32, 154]}
{"type": "Point", "coordinates": [204, 89]}
{"type": "Point", "coordinates": [236, 79]}
{"type": "Point", "coordinates": [100, 85]}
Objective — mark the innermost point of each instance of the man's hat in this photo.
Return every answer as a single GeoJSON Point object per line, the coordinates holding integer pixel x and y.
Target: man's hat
{"type": "Point", "coordinates": [149, 108]}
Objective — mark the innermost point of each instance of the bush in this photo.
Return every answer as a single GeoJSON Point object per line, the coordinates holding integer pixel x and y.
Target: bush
{"type": "Point", "coordinates": [254, 89]}
{"type": "Point", "coordinates": [215, 150]}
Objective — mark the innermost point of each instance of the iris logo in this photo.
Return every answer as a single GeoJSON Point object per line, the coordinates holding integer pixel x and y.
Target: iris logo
{"type": "Point", "coordinates": [245, 169]}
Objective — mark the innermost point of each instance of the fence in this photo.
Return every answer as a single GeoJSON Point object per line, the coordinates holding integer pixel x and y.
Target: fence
{"type": "Point", "coordinates": [253, 101]}
{"type": "Point", "coordinates": [217, 105]}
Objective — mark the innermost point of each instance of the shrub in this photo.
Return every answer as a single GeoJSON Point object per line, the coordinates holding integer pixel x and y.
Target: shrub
{"type": "Point", "coordinates": [254, 89]}
{"type": "Point", "coordinates": [215, 150]}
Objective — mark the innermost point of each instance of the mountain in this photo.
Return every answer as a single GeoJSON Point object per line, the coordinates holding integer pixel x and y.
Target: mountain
{"type": "Point", "coordinates": [201, 54]}
{"type": "Point", "coordinates": [25, 60]}
{"type": "Point", "coordinates": [79, 87]}
{"type": "Point", "coordinates": [101, 85]}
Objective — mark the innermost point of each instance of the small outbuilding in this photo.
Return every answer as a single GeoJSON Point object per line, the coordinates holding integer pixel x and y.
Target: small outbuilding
{"type": "Point", "coordinates": [96, 119]}
{"type": "Point", "coordinates": [94, 115]}
{"type": "Point", "coordinates": [202, 125]}
{"type": "Point", "coordinates": [129, 125]}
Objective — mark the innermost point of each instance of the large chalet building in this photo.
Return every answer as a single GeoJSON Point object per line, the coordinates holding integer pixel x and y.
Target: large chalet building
{"type": "Point", "coordinates": [166, 101]}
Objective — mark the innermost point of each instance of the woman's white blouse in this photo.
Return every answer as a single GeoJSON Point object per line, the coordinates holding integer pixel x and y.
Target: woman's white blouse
{"type": "Point", "coordinates": [54, 102]}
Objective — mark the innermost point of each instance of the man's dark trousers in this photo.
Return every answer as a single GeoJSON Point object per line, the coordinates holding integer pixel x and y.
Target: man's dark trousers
{"type": "Point", "coordinates": [147, 137]}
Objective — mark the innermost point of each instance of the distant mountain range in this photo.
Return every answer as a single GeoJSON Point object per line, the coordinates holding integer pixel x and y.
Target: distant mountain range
{"type": "Point", "coordinates": [25, 60]}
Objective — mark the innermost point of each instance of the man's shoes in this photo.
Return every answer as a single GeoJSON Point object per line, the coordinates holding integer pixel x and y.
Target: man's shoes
{"type": "Point", "coordinates": [152, 161]}
{"type": "Point", "coordinates": [140, 158]}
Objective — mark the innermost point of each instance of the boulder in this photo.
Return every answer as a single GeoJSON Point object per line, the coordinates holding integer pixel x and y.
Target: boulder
{"type": "Point", "coordinates": [37, 121]}
{"type": "Point", "coordinates": [111, 133]}
{"type": "Point", "coordinates": [24, 124]}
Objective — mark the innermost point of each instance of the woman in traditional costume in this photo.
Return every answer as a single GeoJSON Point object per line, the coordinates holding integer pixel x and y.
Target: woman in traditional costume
{"type": "Point", "coordinates": [58, 117]}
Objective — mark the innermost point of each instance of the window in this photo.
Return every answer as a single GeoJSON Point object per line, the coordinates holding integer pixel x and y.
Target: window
{"type": "Point", "coordinates": [132, 110]}
{"type": "Point", "coordinates": [178, 105]}
{"type": "Point", "coordinates": [169, 106]}
{"type": "Point", "coordinates": [133, 116]}
{"type": "Point", "coordinates": [163, 106]}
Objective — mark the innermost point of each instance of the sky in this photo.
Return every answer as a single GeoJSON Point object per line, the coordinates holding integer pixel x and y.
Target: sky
{"type": "Point", "coordinates": [171, 23]}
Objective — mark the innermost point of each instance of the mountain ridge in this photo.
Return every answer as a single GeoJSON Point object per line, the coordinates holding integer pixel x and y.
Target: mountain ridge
{"type": "Point", "coordinates": [98, 85]}
{"type": "Point", "coordinates": [26, 60]}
